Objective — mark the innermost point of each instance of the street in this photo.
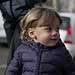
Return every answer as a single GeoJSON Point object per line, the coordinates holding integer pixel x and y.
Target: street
{"type": "Point", "coordinates": [4, 51]}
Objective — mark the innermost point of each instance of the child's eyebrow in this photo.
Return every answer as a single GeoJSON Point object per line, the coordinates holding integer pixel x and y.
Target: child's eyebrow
{"type": "Point", "coordinates": [45, 25]}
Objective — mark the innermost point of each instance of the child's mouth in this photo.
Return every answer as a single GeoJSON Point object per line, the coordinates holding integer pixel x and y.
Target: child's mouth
{"type": "Point", "coordinates": [54, 39]}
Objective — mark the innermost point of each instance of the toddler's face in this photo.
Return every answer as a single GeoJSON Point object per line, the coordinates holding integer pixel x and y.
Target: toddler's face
{"type": "Point", "coordinates": [49, 33]}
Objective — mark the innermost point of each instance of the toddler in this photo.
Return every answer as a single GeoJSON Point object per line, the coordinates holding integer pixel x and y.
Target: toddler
{"type": "Point", "coordinates": [41, 51]}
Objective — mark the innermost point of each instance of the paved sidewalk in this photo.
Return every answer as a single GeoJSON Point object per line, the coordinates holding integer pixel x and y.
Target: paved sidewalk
{"type": "Point", "coordinates": [4, 51]}
{"type": "Point", "coordinates": [2, 69]}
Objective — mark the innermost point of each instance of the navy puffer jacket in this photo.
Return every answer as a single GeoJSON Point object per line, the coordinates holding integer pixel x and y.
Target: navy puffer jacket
{"type": "Point", "coordinates": [36, 59]}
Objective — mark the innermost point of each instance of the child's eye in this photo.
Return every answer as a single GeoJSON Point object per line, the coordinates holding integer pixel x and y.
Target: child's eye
{"type": "Point", "coordinates": [57, 29]}
{"type": "Point", "coordinates": [48, 29]}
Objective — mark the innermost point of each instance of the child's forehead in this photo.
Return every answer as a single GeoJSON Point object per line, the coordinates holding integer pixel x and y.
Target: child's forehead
{"type": "Point", "coordinates": [48, 21]}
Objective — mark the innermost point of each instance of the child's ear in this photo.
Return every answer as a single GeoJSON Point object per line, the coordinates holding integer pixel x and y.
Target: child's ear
{"type": "Point", "coordinates": [31, 33]}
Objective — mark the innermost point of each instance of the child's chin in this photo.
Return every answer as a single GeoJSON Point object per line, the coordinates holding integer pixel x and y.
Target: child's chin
{"type": "Point", "coordinates": [51, 45]}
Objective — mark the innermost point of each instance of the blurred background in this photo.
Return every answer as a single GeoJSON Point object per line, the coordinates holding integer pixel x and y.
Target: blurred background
{"type": "Point", "coordinates": [61, 6]}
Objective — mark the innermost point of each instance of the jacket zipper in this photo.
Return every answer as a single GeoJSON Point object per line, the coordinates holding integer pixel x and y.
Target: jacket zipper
{"type": "Point", "coordinates": [38, 62]}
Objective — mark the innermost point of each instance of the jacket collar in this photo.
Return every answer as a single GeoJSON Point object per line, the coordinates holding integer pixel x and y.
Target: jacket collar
{"type": "Point", "coordinates": [39, 46]}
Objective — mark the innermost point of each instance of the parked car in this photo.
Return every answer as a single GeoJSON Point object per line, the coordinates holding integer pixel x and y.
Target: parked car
{"type": "Point", "coordinates": [2, 31]}
{"type": "Point", "coordinates": [67, 31]}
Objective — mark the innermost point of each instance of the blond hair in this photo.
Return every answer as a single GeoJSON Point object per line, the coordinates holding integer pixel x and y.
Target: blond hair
{"type": "Point", "coordinates": [30, 20]}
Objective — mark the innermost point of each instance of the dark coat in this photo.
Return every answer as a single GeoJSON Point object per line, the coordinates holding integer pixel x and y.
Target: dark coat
{"type": "Point", "coordinates": [36, 59]}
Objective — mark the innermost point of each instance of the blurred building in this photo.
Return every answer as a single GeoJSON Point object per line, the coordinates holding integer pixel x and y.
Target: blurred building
{"type": "Point", "coordinates": [62, 5]}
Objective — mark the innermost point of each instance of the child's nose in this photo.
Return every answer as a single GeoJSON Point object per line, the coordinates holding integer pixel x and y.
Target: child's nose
{"type": "Point", "coordinates": [54, 33]}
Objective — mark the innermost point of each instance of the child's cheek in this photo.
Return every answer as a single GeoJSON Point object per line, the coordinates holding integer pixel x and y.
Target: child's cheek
{"type": "Point", "coordinates": [45, 39]}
